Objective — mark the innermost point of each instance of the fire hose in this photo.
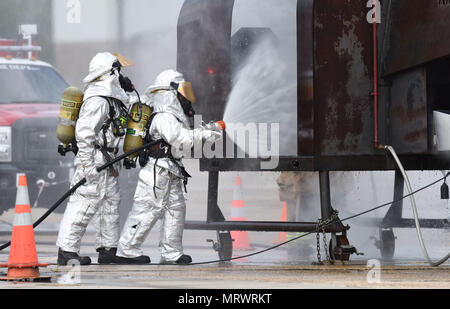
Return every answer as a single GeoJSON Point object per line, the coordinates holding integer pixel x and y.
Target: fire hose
{"type": "Point", "coordinates": [82, 182]}
{"type": "Point", "coordinates": [414, 208]}
{"type": "Point", "coordinates": [411, 194]}
{"type": "Point", "coordinates": [375, 94]}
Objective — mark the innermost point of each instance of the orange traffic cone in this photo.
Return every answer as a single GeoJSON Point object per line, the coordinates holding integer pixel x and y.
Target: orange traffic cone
{"type": "Point", "coordinates": [282, 235]}
{"type": "Point", "coordinates": [23, 262]}
{"type": "Point", "coordinates": [240, 238]}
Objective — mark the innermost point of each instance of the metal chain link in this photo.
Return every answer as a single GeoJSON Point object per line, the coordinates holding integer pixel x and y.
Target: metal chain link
{"type": "Point", "coordinates": [319, 258]}
{"type": "Point", "coordinates": [321, 227]}
{"type": "Point", "coordinates": [325, 245]}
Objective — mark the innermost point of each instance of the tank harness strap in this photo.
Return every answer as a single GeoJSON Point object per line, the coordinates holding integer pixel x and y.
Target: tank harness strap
{"type": "Point", "coordinates": [108, 158]}
{"type": "Point", "coordinates": [104, 149]}
{"type": "Point", "coordinates": [162, 149]}
{"type": "Point", "coordinates": [184, 173]}
{"type": "Point", "coordinates": [154, 178]}
{"type": "Point", "coordinates": [156, 151]}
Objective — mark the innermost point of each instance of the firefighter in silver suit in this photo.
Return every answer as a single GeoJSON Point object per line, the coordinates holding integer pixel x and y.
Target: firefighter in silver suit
{"type": "Point", "coordinates": [159, 192]}
{"type": "Point", "coordinates": [98, 133]}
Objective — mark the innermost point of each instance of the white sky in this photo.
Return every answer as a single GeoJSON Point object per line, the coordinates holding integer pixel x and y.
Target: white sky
{"type": "Point", "coordinates": [98, 19]}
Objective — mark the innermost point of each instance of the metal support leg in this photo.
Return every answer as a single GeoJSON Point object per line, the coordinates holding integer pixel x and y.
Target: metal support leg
{"type": "Point", "coordinates": [224, 244]}
{"type": "Point", "coordinates": [394, 214]}
{"type": "Point", "coordinates": [339, 247]}
{"type": "Point", "coordinates": [325, 205]}
{"type": "Point", "coordinates": [325, 197]}
{"type": "Point", "coordinates": [213, 212]}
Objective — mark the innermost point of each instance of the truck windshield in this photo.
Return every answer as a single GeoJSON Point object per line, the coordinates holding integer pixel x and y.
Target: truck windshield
{"type": "Point", "coordinates": [23, 83]}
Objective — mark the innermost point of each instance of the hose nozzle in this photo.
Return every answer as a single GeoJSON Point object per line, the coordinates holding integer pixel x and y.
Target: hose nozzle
{"type": "Point", "coordinates": [216, 126]}
{"type": "Point", "coordinates": [221, 125]}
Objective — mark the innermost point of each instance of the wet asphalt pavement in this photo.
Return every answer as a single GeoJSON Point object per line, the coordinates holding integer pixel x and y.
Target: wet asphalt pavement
{"type": "Point", "coordinates": [286, 267]}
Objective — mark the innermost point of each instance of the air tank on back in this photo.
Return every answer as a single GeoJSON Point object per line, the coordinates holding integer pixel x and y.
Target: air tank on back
{"type": "Point", "coordinates": [71, 101]}
{"type": "Point", "coordinates": [136, 128]}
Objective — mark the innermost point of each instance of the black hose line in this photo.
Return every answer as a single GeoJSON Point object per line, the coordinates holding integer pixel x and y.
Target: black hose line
{"type": "Point", "coordinates": [82, 182]}
{"type": "Point", "coordinates": [325, 225]}
{"type": "Point", "coordinates": [123, 156]}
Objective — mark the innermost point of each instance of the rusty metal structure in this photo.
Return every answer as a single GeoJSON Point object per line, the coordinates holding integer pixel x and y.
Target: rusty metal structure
{"type": "Point", "coordinates": [371, 84]}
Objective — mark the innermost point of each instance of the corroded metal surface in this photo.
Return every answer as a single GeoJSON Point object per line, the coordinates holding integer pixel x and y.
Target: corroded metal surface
{"type": "Point", "coordinates": [335, 71]}
{"type": "Point", "coordinates": [343, 112]}
{"type": "Point", "coordinates": [418, 32]}
{"type": "Point", "coordinates": [408, 127]}
{"type": "Point", "coordinates": [305, 67]}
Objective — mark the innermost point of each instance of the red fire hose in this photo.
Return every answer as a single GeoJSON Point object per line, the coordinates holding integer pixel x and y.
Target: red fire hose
{"type": "Point", "coordinates": [375, 76]}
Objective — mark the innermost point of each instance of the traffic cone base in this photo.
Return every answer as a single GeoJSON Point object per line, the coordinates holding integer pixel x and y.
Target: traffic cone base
{"type": "Point", "coordinates": [26, 277]}
{"type": "Point", "coordinates": [20, 273]}
{"type": "Point", "coordinates": [23, 261]}
{"type": "Point", "coordinates": [240, 240]}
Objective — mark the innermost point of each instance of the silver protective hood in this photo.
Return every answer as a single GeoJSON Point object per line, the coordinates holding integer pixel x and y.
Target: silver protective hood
{"type": "Point", "coordinates": [163, 98]}
{"type": "Point", "coordinates": [108, 86]}
{"type": "Point", "coordinates": [100, 81]}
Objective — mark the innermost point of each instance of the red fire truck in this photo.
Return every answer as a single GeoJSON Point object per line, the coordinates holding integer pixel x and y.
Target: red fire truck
{"type": "Point", "coordinates": [30, 93]}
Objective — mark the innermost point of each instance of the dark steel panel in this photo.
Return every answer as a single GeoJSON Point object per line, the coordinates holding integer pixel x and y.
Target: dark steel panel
{"type": "Point", "coordinates": [408, 129]}
{"type": "Point", "coordinates": [305, 78]}
{"type": "Point", "coordinates": [213, 212]}
{"type": "Point", "coordinates": [203, 53]}
{"type": "Point", "coordinates": [343, 107]}
{"type": "Point", "coordinates": [419, 32]}
{"type": "Point", "coordinates": [429, 162]}
{"type": "Point", "coordinates": [252, 164]}
{"type": "Point", "coordinates": [335, 82]}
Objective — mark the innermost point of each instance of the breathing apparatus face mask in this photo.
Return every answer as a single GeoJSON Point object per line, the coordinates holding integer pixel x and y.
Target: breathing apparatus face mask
{"type": "Point", "coordinates": [124, 81]}
{"type": "Point", "coordinates": [186, 105]}
{"type": "Point", "coordinates": [186, 97]}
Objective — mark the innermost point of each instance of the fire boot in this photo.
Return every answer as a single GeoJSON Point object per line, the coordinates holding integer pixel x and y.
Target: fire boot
{"type": "Point", "coordinates": [66, 256]}
{"type": "Point", "coordinates": [106, 255]}
{"type": "Point", "coordinates": [182, 260]}
{"type": "Point", "coordinates": [143, 259]}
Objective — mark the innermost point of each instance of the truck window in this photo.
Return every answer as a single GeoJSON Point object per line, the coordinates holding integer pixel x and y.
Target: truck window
{"type": "Point", "coordinates": [23, 83]}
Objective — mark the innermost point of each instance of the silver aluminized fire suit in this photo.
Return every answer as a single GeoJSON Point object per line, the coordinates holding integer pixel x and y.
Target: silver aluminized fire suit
{"type": "Point", "coordinates": [100, 195]}
{"type": "Point", "coordinates": [170, 124]}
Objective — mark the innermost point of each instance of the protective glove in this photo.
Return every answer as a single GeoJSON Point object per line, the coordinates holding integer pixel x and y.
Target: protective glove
{"type": "Point", "coordinates": [218, 126]}
{"type": "Point", "coordinates": [211, 136]}
{"type": "Point", "coordinates": [91, 174]}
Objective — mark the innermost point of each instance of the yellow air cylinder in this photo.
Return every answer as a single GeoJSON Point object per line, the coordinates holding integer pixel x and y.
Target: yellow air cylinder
{"type": "Point", "coordinates": [71, 101]}
{"type": "Point", "coordinates": [136, 128]}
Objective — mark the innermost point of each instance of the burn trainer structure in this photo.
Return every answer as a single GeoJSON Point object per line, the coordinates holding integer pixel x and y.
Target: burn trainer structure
{"type": "Point", "coordinates": [371, 84]}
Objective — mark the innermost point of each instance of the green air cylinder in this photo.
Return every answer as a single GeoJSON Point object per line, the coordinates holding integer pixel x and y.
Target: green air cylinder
{"type": "Point", "coordinates": [71, 101]}
{"type": "Point", "coordinates": [136, 128]}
